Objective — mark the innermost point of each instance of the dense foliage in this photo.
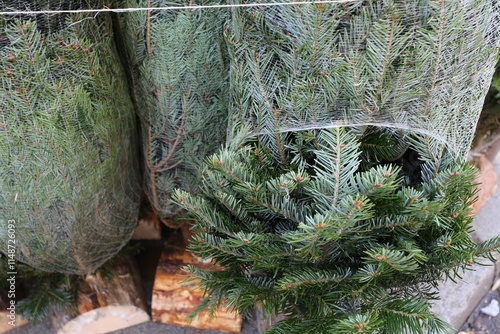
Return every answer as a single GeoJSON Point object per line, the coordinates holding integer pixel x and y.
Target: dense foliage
{"type": "Point", "coordinates": [328, 242]}
{"type": "Point", "coordinates": [342, 210]}
{"type": "Point", "coordinates": [70, 174]}
{"type": "Point", "coordinates": [179, 85]}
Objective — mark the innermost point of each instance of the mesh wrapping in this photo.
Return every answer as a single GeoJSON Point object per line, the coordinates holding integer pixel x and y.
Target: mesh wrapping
{"type": "Point", "coordinates": [417, 69]}
{"type": "Point", "coordinates": [70, 173]}
{"type": "Point", "coordinates": [180, 86]}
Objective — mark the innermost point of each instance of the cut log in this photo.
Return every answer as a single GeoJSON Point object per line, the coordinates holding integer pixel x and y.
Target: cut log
{"type": "Point", "coordinates": [10, 321]}
{"type": "Point", "coordinates": [106, 304]}
{"type": "Point", "coordinates": [173, 300]}
{"type": "Point", "coordinates": [149, 227]}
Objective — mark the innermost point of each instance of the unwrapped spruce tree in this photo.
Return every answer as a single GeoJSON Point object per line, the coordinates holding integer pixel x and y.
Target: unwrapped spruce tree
{"type": "Point", "coordinates": [179, 83]}
{"type": "Point", "coordinates": [336, 247]}
{"type": "Point", "coordinates": [352, 199]}
{"type": "Point", "coordinates": [70, 175]}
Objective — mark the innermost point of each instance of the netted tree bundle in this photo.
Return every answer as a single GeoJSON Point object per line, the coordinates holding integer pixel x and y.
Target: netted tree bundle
{"type": "Point", "coordinates": [177, 62]}
{"type": "Point", "coordinates": [408, 76]}
{"type": "Point", "coordinates": [415, 71]}
{"type": "Point", "coordinates": [70, 175]}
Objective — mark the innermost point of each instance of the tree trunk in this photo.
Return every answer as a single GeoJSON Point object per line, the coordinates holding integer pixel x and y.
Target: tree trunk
{"type": "Point", "coordinates": [265, 323]}
{"type": "Point", "coordinates": [106, 304]}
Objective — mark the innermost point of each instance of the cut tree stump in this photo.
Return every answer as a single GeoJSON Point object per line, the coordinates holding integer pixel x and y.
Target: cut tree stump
{"type": "Point", "coordinates": [148, 228]}
{"type": "Point", "coordinates": [5, 319]}
{"type": "Point", "coordinates": [106, 304]}
{"type": "Point", "coordinates": [149, 225]}
{"type": "Point", "coordinates": [173, 300]}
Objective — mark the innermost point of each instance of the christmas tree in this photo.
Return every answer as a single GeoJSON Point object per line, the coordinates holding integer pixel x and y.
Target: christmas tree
{"type": "Point", "coordinates": [179, 81]}
{"type": "Point", "coordinates": [352, 199]}
{"type": "Point", "coordinates": [334, 246]}
{"type": "Point", "coordinates": [419, 67]}
{"type": "Point", "coordinates": [69, 181]}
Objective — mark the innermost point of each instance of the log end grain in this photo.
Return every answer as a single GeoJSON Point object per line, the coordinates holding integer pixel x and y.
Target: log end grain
{"type": "Point", "coordinates": [173, 300]}
{"type": "Point", "coordinates": [105, 320]}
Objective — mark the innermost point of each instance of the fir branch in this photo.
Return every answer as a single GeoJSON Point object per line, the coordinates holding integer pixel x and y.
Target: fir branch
{"type": "Point", "coordinates": [201, 209]}
{"type": "Point", "coordinates": [412, 316]}
{"type": "Point", "coordinates": [312, 277]}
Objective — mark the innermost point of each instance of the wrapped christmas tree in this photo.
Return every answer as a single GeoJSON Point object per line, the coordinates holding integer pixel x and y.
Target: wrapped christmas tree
{"type": "Point", "coordinates": [69, 182]}
{"type": "Point", "coordinates": [352, 197]}
{"type": "Point", "coordinates": [404, 67]}
{"type": "Point", "coordinates": [177, 62]}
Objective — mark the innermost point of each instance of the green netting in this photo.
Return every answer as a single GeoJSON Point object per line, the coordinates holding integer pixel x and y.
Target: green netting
{"type": "Point", "coordinates": [68, 149]}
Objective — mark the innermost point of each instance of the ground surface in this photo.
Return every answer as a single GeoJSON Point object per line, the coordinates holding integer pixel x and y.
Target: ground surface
{"type": "Point", "coordinates": [480, 323]}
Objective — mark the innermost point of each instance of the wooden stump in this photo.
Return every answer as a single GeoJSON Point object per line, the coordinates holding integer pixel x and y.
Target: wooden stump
{"type": "Point", "coordinates": [173, 300]}
{"type": "Point", "coordinates": [106, 304]}
{"type": "Point", "coordinates": [148, 228]}
{"type": "Point", "coordinates": [5, 318]}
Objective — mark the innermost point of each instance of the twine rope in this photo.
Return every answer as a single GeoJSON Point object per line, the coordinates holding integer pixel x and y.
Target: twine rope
{"type": "Point", "coordinates": [138, 9]}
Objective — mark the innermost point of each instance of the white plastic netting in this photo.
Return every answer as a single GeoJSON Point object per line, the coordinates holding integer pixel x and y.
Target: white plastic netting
{"type": "Point", "coordinates": [69, 176]}
{"type": "Point", "coordinates": [421, 67]}
{"type": "Point", "coordinates": [179, 70]}
{"type": "Point", "coordinates": [73, 72]}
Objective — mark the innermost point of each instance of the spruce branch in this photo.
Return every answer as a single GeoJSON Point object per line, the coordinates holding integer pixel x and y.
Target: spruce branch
{"type": "Point", "coordinates": [176, 61]}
